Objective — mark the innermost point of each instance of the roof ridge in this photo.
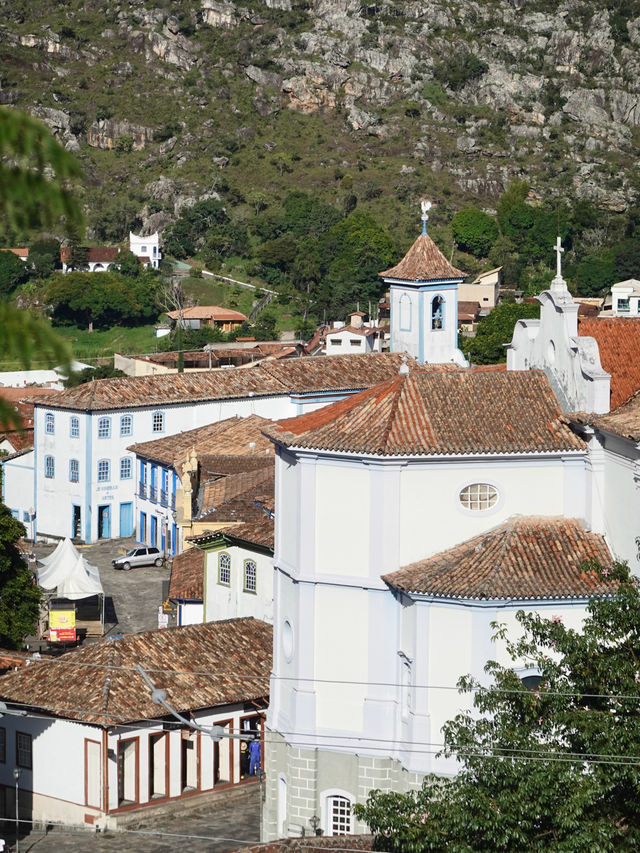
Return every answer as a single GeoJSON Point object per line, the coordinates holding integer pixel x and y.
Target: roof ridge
{"type": "Point", "coordinates": [395, 401]}
{"type": "Point", "coordinates": [106, 689]}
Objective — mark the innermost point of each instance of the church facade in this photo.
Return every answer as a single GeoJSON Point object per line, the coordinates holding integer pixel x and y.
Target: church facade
{"type": "Point", "coordinates": [384, 505]}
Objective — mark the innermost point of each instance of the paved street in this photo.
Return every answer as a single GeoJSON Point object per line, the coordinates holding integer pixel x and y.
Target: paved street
{"type": "Point", "coordinates": [132, 598]}
{"type": "Point", "coordinates": [211, 828]}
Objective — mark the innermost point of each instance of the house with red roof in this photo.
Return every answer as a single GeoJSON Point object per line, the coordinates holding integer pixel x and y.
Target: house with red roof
{"type": "Point", "coordinates": [410, 518]}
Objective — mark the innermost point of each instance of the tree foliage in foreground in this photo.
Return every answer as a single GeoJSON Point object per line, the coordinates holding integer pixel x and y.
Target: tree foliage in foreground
{"type": "Point", "coordinates": [495, 330]}
{"type": "Point", "coordinates": [19, 597]}
{"type": "Point", "coordinates": [551, 768]}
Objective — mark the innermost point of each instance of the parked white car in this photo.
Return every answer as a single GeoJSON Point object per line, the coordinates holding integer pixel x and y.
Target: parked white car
{"type": "Point", "coordinates": [142, 556]}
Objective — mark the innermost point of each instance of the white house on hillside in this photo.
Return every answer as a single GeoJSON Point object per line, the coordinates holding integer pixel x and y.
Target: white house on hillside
{"type": "Point", "coordinates": [356, 337]}
{"type": "Point", "coordinates": [146, 248]}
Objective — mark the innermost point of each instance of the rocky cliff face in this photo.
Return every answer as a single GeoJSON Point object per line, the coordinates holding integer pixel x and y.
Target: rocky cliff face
{"type": "Point", "coordinates": [460, 95]}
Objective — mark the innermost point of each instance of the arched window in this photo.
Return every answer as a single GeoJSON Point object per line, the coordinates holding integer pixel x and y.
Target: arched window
{"type": "Point", "coordinates": [104, 428]}
{"type": "Point", "coordinates": [49, 467]}
{"type": "Point", "coordinates": [224, 569]}
{"type": "Point", "coordinates": [437, 312]}
{"type": "Point", "coordinates": [49, 424]}
{"type": "Point", "coordinates": [74, 471]}
{"type": "Point", "coordinates": [405, 312]}
{"type": "Point", "coordinates": [74, 427]}
{"type": "Point", "coordinates": [158, 422]}
{"type": "Point", "coordinates": [126, 425]}
{"type": "Point", "coordinates": [250, 576]}
{"type": "Point", "coordinates": [104, 471]}
{"type": "Point", "coordinates": [126, 468]}
{"type": "Point", "coordinates": [338, 819]}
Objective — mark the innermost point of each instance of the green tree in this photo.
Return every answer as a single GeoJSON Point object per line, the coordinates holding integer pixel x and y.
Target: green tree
{"type": "Point", "coordinates": [13, 272]}
{"type": "Point", "coordinates": [495, 330]}
{"type": "Point", "coordinates": [548, 768]}
{"type": "Point", "coordinates": [474, 231]}
{"type": "Point", "coordinates": [19, 596]}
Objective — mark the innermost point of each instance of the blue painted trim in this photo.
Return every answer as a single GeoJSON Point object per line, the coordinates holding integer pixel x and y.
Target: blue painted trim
{"type": "Point", "coordinates": [35, 471]}
{"type": "Point", "coordinates": [88, 456]}
{"type": "Point", "coordinates": [421, 352]}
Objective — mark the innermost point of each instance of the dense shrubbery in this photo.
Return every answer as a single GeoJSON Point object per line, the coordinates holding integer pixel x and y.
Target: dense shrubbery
{"type": "Point", "coordinates": [103, 298]}
{"type": "Point", "coordinates": [474, 231]}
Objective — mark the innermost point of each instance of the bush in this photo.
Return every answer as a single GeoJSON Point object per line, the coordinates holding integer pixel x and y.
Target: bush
{"type": "Point", "coordinates": [459, 69]}
{"type": "Point", "coordinates": [474, 231]}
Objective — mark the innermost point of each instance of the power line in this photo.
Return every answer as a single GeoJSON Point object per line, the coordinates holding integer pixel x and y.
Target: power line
{"type": "Point", "coordinates": [387, 744]}
{"type": "Point", "coordinates": [524, 691]}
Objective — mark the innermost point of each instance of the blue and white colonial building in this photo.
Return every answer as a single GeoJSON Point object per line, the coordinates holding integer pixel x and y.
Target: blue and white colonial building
{"type": "Point", "coordinates": [424, 302]}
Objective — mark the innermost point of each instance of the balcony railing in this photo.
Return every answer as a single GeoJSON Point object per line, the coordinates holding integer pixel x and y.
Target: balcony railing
{"type": "Point", "coordinates": [142, 490]}
{"type": "Point", "coordinates": [153, 493]}
{"type": "Point", "coordinates": [173, 501]}
{"type": "Point", "coordinates": [164, 497]}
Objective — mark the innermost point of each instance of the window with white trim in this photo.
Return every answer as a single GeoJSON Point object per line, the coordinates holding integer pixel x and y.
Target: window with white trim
{"type": "Point", "coordinates": [74, 427]}
{"type": "Point", "coordinates": [23, 750]}
{"type": "Point", "coordinates": [158, 422]}
{"type": "Point", "coordinates": [104, 428]}
{"type": "Point", "coordinates": [74, 471]}
{"type": "Point", "coordinates": [126, 468]}
{"type": "Point", "coordinates": [49, 424]}
{"type": "Point", "coordinates": [250, 576]}
{"type": "Point", "coordinates": [479, 496]}
{"type": "Point", "coordinates": [104, 471]}
{"type": "Point", "coordinates": [49, 467]}
{"type": "Point", "coordinates": [339, 815]}
{"type": "Point", "coordinates": [224, 569]}
{"type": "Point", "coordinates": [126, 425]}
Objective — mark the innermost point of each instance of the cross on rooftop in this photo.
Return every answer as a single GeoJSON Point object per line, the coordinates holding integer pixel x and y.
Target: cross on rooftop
{"type": "Point", "coordinates": [559, 250]}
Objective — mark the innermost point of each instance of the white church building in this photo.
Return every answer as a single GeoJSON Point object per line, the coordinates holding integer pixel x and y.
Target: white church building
{"type": "Point", "coordinates": [414, 515]}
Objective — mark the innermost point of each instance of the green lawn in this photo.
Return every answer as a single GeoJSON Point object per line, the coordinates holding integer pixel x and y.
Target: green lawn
{"type": "Point", "coordinates": [93, 346]}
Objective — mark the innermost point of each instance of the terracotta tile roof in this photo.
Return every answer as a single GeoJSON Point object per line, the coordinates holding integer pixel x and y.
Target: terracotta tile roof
{"type": "Point", "coordinates": [208, 312]}
{"type": "Point", "coordinates": [233, 498]}
{"type": "Point", "coordinates": [21, 253]}
{"type": "Point", "coordinates": [258, 532]}
{"type": "Point", "coordinates": [100, 684]}
{"type": "Point", "coordinates": [365, 331]}
{"type": "Point", "coordinates": [95, 254]}
{"type": "Point", "coordinates": [470, 309]}
{"type": "Point", "coordinates": [625, 421]}
{"type": "Point", "coordinates": [20, 441]}
{"type": "Point", "coordinates": [525, 558]}
{"type": "Point", "coordinates": [266, 378]}
{"type": "Point", "coordinates": [223, 466]}
{"type": "Point", "coordinates": [187, 575]}
{"type": "Point", "coordinates": [423, 262]}
{"type": "Point", "coordinates": [618, 340]}
{"type": "Point", "coordinates": [232, 437]}
{"type": "Point", "coordinates": [451, 412]}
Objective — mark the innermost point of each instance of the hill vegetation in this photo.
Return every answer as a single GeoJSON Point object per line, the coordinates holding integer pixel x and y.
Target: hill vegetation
{"type": "Point", "coordinates": [291, 140]}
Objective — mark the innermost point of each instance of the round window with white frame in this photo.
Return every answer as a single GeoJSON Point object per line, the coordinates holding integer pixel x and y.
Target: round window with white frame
{"type": "Point", "coordinates": [479, 497]}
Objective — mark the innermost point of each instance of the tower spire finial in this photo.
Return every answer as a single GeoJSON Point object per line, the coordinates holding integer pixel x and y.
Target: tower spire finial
{"type": "Point", "coordinates": [426, 207]}
{"type": "Point", "coordinates": [558, 283]}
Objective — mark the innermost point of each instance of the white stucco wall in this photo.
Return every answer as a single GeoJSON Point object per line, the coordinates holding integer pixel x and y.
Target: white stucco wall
{"type": "Point", "coordinates": [233, 601]}
{"type": "Point", "coordinates": [17, 486]}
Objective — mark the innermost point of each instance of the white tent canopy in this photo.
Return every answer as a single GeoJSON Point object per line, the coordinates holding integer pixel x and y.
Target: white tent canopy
{"type": "Point", "coordinates": [67, 572]}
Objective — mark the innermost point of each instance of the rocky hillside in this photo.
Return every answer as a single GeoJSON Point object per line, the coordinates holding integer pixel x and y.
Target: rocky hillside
{"type": "Point", "coordinates": [367, 103]}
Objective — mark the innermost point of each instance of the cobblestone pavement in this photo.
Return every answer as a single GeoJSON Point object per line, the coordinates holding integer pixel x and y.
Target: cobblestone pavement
{"type": "Point", "coordinates": [131, 598]}
{"type": "Point", "coordinates": [207, 829]}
